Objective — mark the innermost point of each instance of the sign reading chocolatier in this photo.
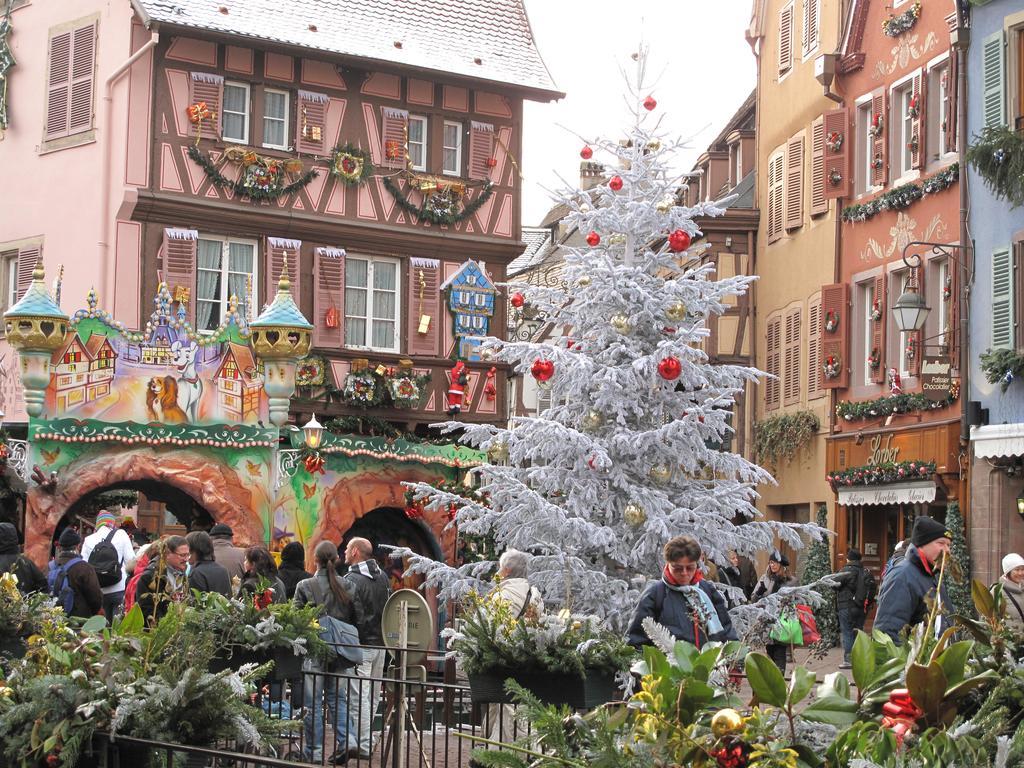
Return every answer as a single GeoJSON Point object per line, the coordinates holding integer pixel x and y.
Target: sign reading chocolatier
{"type": "Point", "coordinates": [936, 378]}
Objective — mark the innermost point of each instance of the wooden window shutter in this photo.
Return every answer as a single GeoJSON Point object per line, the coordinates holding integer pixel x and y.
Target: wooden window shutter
{"type": "Point", "coordinates": [918, 152]}
{"type": "Point", "coordinates": [819, 203]}
{"type": "Point", "coordinates": [208, 88]}
{"type": "Point", "coordinates": [880, 144]}
{"type": "Point", "coordinates": [277, 247]}
{"type": "Point", "coordinates": [1002, 299]}
{"type": "Point", "coordinates": [481, 149]}
{"type": "Point", "coordinates": [773, 382]}
{"type": "Point", "coordinates": [950, 116]}
{"type": "Point", "coordinates": [836, 123]}
{"type": "Point", "coordinates": [785, 39]}
{"type": "Point", "coordinates": [835, 344]}
{"type": "Point", "coordinates": [877, 341]}
{"type": "Point", "coordinates": [1018, 293]}
{"type": "Point", "coordinates": [775, 196]}
{"type": "Point", "coordinates": [424, 302]}
{"type": "Point", "coordinates": [810, 35]}
{"type": "Point", "coordinates": [28, 257]}
{"type": "Point", "coordinates": [310, 123]}
{"type": "Point", "coordinates": [58, 95]}
{"type": "Point", "coordinates": [814, 350]}
{"type": "Point", "coordinates": [178, 266]}
{"type": "Point", "coordinates": [794, 183]}
{"type": "Point", "coordinates": [916, 339]}
{"type": "Point", "coordinates": [328, 297]}
{"type": "Point", "coordinates": [993, 79]}
{"type": "Point", "coordinates": [394, 137]}
{"type": "Point", "coordinates": [83, 60]}
{"type": "Point", "coordinates": [791, 378]}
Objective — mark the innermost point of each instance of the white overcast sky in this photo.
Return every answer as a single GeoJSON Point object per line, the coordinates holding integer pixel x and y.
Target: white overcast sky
{"type": "Point", "coordinates": [706, 68]}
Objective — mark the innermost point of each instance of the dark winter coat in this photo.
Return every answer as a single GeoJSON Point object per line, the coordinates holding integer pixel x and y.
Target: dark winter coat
{"type": "Point", "coordinates": [83, 582]}
{"type": "Point", "coordinates": [771, 583]}
{"type": "Point", "coordinates": [252, 581]}
{"type": "Point", "coordinates": [902, 599]}
{"type": "Point", "coordinates": [209, 576]}
{"type": "Point", "coordinates": [672, 610]}
{"type": "Point", "coordinates": [370, 589]}
{"type": "Point", "coordinates": [848, 578]}
{"type": "Point", "coordinates": [30, 578]}
{"type": "Point", "coordinates": [291, 574]}
{"type": "Point", "coordinates": [317, 590]}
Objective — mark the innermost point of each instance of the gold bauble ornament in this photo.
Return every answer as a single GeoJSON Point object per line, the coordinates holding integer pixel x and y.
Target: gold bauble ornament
{"type": "Point", "coordinates": [616, 238]}
{"type": "Point", "coordinates": [634, 514]}
{"type": "Point", "coordinates": [654, 145]}
{"type": "Point", "coordinates": [726, 721]}
{"type": "Point", "coordinates": [592, 420]}
{"type": "Point", "coordinates": [498, 452]}
{"type": "Point", "coordinates": [621, 324]}
{"type": "Point", "coordinates": [676, 311]}
{"type": "Point", "coordinates": [664, 206]}
{"type": "Point", "coordinates": [660, 473]}
{"type": "Point", "coordinates": [584, 281]}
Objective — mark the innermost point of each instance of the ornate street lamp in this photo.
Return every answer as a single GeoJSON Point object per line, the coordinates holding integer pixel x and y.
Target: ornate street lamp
{"type": "Point", "coordinates": [36, 328]}
{"type": "Point", "coordinates": [281, 336]}
{"type": "Point", "coordinates": [910, 310]}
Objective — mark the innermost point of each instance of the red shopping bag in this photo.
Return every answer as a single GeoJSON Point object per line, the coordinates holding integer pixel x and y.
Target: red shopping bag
{"type": "Point", "coordinates": [807, 623]}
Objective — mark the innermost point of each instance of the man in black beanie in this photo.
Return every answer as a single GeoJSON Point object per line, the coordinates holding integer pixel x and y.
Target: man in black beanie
{"type": "Point", "coordinates": [911, 580]}
{"type": "Point", "coordinates": [856, 593]}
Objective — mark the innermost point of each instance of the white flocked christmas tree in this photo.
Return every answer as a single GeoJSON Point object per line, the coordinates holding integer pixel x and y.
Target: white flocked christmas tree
{"type": "Point", "coordinates": [595, 485]}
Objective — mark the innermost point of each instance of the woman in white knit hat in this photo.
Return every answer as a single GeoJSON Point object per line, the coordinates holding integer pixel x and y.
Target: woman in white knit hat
{"type": "Point", "coordinates": [1012, 582]}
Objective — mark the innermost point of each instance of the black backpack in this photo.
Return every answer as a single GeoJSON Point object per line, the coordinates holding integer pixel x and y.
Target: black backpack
{"type": "Point", "coordinates": [105, 560]}
{"type": "Point", "coordinates": [867, 588]}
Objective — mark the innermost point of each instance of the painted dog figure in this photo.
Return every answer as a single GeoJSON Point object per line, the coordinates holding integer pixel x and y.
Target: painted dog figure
{"type": "Point", "coordinates": [190, 387]}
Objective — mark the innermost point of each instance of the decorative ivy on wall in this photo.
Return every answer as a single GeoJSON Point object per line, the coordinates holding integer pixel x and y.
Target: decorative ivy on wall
{"type": "Point", "coordinates": [904, 196]}
{"type": "Point", "coordinates": [780, 437]}
{"type": "Point", "coordinates": [998, 157]}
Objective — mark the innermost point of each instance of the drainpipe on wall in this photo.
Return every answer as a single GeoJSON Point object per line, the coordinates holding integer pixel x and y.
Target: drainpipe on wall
{"type": "Point", "coordinates": [962, 41]}
{"type": "Point", "coordinates": [105, 281]}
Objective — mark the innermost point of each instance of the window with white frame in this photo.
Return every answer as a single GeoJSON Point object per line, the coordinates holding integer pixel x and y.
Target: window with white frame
{"type": "Point", "coordinates": [938, 102]}
{"type": "Point", "coordinates": [275, 119]}
{"type": "Point", "coordinates": [899, 283]}
{"type": "Point", "coordinates": [865, 142]}
{"type": "Point", "coordinates": [418, 142]}
{"type": "Point", "coordinates": [451, 160]}
{"type": "Point", "coordinates": [738, 168]}
{"type": "Point", "coordinates": [867, 302]}
{"type": "Point", "coordinates": [371, 303]}
{"type": "Point", "coordinates": [942, 297]}
{"type": "Point", "coordinates": [224, 268]}
{"type": "Point", "coordinates": [234, 123]}
{"type": "Point", "coordinates": [901, 155]}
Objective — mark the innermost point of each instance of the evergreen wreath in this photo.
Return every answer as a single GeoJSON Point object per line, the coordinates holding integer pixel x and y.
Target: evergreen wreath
{"type": "Point", "coordinates": [425, 213]}
{"type": "Point", "coordinates": [406, 388]}
{"type": "Point", "coordinates": [998, 157]}
{"type": "Point", "coordinates": [894, 26]}
{"type": "Point", "coordinates": [259, 181]}
{"type": "Point", "coordinates": [364, 388]}
{"type": "Point", "coordinates": [904, 196]}
{"type": "Point", "coordinates": [351, 164]}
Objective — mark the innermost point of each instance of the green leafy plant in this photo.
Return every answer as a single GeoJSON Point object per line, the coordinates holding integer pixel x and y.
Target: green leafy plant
{"type": "Point", "coordinates": [997, 154]}
{"type": "Point", "coordinates": [1001, 366]}
{"type": "Point", "coordinates": [781, 437]}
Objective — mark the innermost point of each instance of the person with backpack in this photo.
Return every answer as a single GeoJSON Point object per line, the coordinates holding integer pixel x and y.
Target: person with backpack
{"type": "Point", "coordinates": [856, 595]}
{"type": "Point", "coordinates": [334, 596]}
{"type": "Point", "coordinates": [30, 578]}
{"type": "Point", "coordinates": [72, 580]}
{"type": "Point", "coordinates": [1012, 582]}
{"type": "Point", "coordinates": [109, 551]}
{"type": "Point", "coordinates": [682, 601]}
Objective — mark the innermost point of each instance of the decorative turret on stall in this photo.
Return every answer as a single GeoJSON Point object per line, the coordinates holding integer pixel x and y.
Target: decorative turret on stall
{"type": "Point", "coordinates": [36, 328]}
{"type": "Point", "coordinates": [281, 336]}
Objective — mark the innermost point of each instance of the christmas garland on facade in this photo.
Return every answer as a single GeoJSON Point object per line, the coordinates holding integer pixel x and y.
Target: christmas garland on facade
{"type": "Point", "coordinates": [911, 402]}
{"type": "Point", "coordinates": [885, 473]}
{"type": "Point", "coordinates": [425, 213]}
{"type": "Point", "coordinates": [1001, 366]}
{"type": "Point", "coordinates": [262, 178]}
{"type": "Point", "coordinates": [998, 157]}
{"type": "Point", "coordinates": [903, 197]}
{"type": "Point", "coordinates": [351, 164]}
{"type": "Point", "coordinates": [894, 26]}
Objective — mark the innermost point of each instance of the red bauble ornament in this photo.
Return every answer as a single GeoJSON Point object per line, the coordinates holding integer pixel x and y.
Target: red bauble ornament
{"type": "Point", "coordinates": [650, 103]}
{"type": "Point", "coordinates": [542, 370]}
{"type": "Point", "coordinates": [678, 241]}
{"type": "Point", "coordinates": [586, 153]}
{"type": "Point", "coordinates": [593, 239]}
{"type": "Point", "coordinates": [492, 162]}
{"type": "Point", "coordinates": [615, 183]}
{"type": "Point", "coordinates": [517, 300]}
{"type": "Point", "coordinates": [670, 368]}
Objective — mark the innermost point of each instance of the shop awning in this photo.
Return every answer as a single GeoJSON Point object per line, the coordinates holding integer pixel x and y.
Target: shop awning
{"type": "Point", "coordinates": [995, 440]}
{"type": "Point", "coordinates": [896, 493]}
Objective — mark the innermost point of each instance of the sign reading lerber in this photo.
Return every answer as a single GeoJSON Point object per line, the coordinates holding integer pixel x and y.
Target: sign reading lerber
{"type": "Point", "coordinates": [936, 378]}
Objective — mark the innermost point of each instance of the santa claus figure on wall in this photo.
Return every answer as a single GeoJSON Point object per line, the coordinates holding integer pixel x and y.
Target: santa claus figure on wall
{"type": "Point", "coordinates": [458, 378]}
{"type": "Point", "coordinates": [895, 382]}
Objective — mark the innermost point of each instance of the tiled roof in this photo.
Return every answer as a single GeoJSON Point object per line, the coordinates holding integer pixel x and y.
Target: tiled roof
{"type": "Point", "coordinates": [535, 239]}
{"type": "Point", "coordinates": [441, 35]}
{"type": "Point", "coordinates": [37, 301]}
{"type": "Point", "coordinates": [282, 311]}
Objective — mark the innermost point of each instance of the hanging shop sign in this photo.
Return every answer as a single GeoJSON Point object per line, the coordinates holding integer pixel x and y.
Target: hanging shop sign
{"type": "Point", "coordinates": [936, 378]}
